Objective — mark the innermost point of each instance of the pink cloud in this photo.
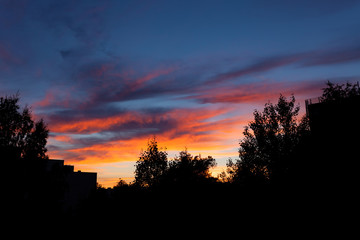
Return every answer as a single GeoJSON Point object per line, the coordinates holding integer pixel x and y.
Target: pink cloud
{"type": "Point", "coordinates": [139, 82]}
{"type": "Point", "coordinates": [257, 92]}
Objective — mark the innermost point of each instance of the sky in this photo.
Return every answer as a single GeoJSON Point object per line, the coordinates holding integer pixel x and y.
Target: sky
{"type": "Point", "coordinates": [108, 75]}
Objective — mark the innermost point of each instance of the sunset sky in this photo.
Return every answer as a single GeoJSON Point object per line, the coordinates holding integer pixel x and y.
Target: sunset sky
{"type": "Point", "coordinates": [108, 75]}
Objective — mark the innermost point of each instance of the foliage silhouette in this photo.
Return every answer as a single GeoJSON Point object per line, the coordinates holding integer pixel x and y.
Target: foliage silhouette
{"type": "Point", "coordinates": [151, 166]}
{"type": "Point", "coordinates": [20, 136]}
{"type": "Point", "coordinates": [269, 142]}
{"type": "Point", "coordinates": [336, 92]}
{"type": "Point", "coordinates": [187, 169]}
{"type": "Point", "coordinates": [154, 169]}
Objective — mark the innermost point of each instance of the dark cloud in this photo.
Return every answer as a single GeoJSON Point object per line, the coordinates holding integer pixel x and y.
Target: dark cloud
{"type": "Point", "coordinates": [72, 114]}
{"type": "Point", "coordinates": [260, 66]}
{"type": "Point", "coordinates": [97, 84]}
{"type": "Point", "coordinates": [306, 59]}
{"type": "Point", "coordinates": [333, 56]}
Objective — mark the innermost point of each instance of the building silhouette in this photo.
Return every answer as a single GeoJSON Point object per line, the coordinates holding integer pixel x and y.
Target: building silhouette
{"type": "Point", "coordinates": [335, 129]}
{"type": "Point", "coordinates": [78, 186]}
{"type": "Point", "coordinates": [50, 184]}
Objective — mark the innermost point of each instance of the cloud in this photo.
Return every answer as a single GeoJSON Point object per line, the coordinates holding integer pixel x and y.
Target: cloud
{"type": "Point", "coordinates": [58, 97]}
{"type": "Point", "coordinates": [113, 122]}
{"type": "Point", "coordinates": [107, 109]}
{"type": "Point", "coordinates": [98, 95]}
{"type": "Point", "coordinates": [97, 84]}
{"type": "Point", "coordinates": [96, 121]}
{"type": "Point", "coordinates": [259, 67]}
{"type": "Point", "coordinates": [100, 138]}
{"type": "Point", "coordinates": [104, 82]}
{"type": "Point", "coordinates": [92, 124]}
{"type": "Point", "coordinates": [333, 56]}
{"type": "Point", "coordinates": [305, 59]}
{"type": "Point", "coordinates": [255, 92]}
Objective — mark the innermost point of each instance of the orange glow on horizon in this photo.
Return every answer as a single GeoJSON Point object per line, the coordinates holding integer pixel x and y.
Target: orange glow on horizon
{"type": "Point", "coordinates": [195, 130]}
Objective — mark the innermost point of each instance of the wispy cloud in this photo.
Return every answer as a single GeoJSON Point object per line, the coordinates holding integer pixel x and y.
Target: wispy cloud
{"type": "Point", "coordinates": [304, 59]}
{"type": "Point", "coordinates": [258, 67]}
{"type": "Point", "coordinates": [256, 92]}
{"type": "Point", "coordinates": [333, 56]}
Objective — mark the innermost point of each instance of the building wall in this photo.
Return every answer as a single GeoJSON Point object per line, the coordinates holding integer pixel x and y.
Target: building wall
{"type": "Point", "coordinates": [76, 186]}
{"type": "Point", "coordinates": [335, 128]}
{"type": "Point", "coordinates": [336, 122]}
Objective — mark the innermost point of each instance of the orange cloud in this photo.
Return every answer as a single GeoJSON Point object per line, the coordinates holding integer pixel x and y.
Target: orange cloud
{"type": "Point", "coordinates": [62, 138]}
{"type": "Point", "coordinates": [92, 125]}
{"type": "Point", "coordinates": [194, 129]}
{"type": "Point", "coordinates": [211, 129]}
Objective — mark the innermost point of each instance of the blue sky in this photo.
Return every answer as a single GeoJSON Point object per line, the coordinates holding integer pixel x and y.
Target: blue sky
{"type": "Point", "coordinates": [107, 75]}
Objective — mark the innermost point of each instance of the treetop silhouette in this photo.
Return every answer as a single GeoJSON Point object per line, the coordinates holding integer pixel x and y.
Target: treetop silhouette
{"type": "Point", "coordinates": [335, 92]}
{"type": "Point", "coordinates": [154, 169]}
{"type": "Point", "coordinates": [151, 166]}
{"type": "Point", "coordinates": [187, 169]}
{"type": "Point", "coordinates": [20, 136]}
{"type": "Point", "coordinates": [269, 141]}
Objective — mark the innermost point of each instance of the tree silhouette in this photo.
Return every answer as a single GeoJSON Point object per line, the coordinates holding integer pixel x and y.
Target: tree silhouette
{"type": "Point", "coordinates": [335, 92]}
{"type": "Point", "coordinates": [187, 169]}
{"type": "Point", "coordinates": [269, 142]}
{"type": "Point", "coordinates": [20, 136]}
{"type": "Point", "coordinates": [152, 164]}
{"type": "Point", "coordinates": [153, 168]}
